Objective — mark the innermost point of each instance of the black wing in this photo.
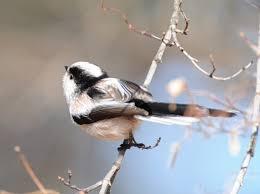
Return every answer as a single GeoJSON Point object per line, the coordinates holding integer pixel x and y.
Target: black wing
{"type": "Point", "coordinates": [108, 110]}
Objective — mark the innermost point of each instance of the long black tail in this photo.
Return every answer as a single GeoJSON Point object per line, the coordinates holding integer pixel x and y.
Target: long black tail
{"type": "Point", "coordinates": [188, 110]}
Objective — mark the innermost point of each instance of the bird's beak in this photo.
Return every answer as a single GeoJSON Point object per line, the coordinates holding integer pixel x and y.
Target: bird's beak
{"type": "Point", "coordinates": [66, 67]}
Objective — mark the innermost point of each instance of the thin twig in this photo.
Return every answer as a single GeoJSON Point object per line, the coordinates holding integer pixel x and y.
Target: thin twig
{"type": "Point", "coordinates": [29, 170]}
{"type": "Point", "coordinates": [186, 19]}
{"type": "Point", "coordinates": [68, 184]}
{"type": "Point", "coordinates": [209, 74]}
{"type": "Point", "coordinates": [251, 148]}
{"type": "Point", "coordinates": [194, 61]}
{"type": "Point", "coordinates": [76, 188]}
{"type": "Point", "coordinates": [130, 26]}
{"type": "Point", "coordinates": [213, 65]}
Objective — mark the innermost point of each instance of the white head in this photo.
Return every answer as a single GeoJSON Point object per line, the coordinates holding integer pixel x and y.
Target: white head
{"type": "Point", "coordinates": [79, 77]}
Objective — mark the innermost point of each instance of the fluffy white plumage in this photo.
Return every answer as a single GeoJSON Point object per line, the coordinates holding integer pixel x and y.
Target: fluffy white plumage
{"type": "Point", "coordinates": [69, 88]}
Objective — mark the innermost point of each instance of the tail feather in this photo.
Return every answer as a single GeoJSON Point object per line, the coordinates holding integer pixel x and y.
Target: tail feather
{"type": "Point", "coordinates": [186, 110]}
{"type": "Point", "coordinates": [167, 120]}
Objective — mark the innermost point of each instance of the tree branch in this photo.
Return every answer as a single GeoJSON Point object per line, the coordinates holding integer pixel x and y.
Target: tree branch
{"type": "Point", "coordinates": [29, 170]}
{"type": "Point", "coordinates": [76, 188]}
{"type": "Point", "coordinates": [165, 42]}
{"type": "Point", "coordinates": [251, 148]}
{"type": "Point", "coordinates": [110, 176]}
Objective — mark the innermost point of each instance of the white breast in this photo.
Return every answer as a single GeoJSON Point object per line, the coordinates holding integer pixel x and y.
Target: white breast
{"type": "Point", "coordinates": [82, 104]}
{"type": "Point", "coordinates": [112, 129]}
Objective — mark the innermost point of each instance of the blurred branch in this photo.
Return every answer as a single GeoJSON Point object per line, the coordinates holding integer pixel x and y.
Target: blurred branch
{"type": "Point", "coordinates": [254, 3]}
{"type": "Point", "coordinates": [227, 103]}
{"type": "Point", "coordinates": [34, 192]}
{"type": "Point", "coordinates": [250, 44]}
{"type": "Point", "coordinates": [208, 127]}
{"type": "Point", "coordinates": [29, 170]}
{"type": "Point", "coordinates": [31, 173]}
{"type": "Point", "coordinates": [176, 148]}
{"type": "Point", "coordinates": [252, 144]}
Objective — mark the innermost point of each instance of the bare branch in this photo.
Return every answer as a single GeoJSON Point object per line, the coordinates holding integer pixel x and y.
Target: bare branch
{"type": "Point", "coordinates": [76, 188]}
{"type": "Point", "coordinates": [130, 26]}
{"type": "Point", "coordinates": [174, 23]}
{"type": "Point", "coordinates": [109, 178]}
{"type": "Point", "coordinates": [210, 74]}
{"type": "Point", "coordinates": [166, 40]}
{"type": "Point", "coordinates": [29, 170]}
{"type": "Point", "coordinates": [186, 19]}
{"type": "Point", "coordinates": [213, 65]}
{"type": "Point", "coordinates": [68, 184]}
{"type": "Point", "coordinates": [171, 40]}
{"type": "Point", "coordinates": [251, 148]}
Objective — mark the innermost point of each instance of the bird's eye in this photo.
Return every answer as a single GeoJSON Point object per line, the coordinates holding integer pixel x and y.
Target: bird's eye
{"type": "Point", "coordinates": [71, 76]}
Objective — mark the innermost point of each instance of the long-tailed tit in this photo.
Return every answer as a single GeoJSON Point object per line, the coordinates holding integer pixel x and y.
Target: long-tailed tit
{"type": "Point", "coordinates": [110, 108]}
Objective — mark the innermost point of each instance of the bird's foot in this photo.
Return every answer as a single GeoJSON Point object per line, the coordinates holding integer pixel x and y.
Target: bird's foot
{"type": "Point", "coordinates": [131, 142]}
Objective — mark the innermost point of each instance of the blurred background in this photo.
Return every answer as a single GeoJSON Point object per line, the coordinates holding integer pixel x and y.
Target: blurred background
{"type": "Point", "coordinates": [39, 37]}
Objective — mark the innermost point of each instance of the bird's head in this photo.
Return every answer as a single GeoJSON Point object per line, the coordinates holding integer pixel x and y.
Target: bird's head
{"type": "Point", "coordinates": [79, 77]}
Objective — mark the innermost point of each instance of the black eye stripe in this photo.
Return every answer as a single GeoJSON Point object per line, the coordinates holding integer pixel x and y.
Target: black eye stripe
{"type": "Point", "coordinates": [82, 78]}
{"type": "Point", "coordinates": [75, 71]}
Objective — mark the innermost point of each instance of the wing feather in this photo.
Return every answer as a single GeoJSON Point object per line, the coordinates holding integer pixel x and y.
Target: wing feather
{"type": "Point", "coordinates": [113, 98]}
{"type": "Point", "coordinates": [108, 110]}
{"type": "Point", "coordinates": [118, 90]}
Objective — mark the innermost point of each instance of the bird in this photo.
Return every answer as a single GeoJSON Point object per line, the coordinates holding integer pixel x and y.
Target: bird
{"type": "Point", "coordinates": [111, 109]}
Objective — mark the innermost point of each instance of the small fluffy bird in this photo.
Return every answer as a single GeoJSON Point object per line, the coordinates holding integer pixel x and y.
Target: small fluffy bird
{"type": "Point", "coordinates": [111, 108]}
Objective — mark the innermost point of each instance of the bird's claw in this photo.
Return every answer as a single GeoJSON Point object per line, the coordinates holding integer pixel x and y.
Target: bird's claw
{"type": "Point", "coordinates": [131, 142]}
